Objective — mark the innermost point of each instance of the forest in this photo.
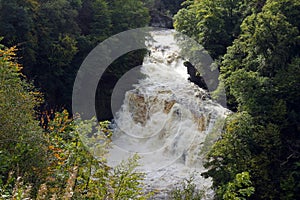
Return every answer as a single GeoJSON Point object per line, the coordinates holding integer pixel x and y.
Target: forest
{"type": "Point", "coordinates": [255, 44]}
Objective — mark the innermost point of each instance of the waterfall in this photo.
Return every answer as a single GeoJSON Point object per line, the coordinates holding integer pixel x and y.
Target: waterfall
{"type": "Point", "coordinates": [165, 119]}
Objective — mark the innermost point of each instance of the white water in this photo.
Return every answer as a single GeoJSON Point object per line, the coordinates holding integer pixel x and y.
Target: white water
{"type": "Point", "coordinates": [165, 119]}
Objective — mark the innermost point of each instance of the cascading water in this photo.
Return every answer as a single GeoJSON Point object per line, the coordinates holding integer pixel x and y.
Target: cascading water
{"type": "Point", "coordinates": [165, 119]}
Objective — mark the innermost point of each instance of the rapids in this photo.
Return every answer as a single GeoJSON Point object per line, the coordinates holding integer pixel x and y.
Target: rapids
{"type": "Point", "coordinates": [166, 119]}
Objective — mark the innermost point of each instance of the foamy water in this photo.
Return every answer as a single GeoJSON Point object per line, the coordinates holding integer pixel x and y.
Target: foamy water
{"type": "Point", "coordinates": [165, 119]}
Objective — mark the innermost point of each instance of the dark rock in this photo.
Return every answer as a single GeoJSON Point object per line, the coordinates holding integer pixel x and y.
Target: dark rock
{"type": "Point", "coordinates": [194, 78]}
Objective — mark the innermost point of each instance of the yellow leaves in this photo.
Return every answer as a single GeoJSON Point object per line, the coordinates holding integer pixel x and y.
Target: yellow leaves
{"type": "Point", "coordinates": [60, 163]}
{"type": "Point", "coordinates": [8, 56]}
{"type": "Point", "coordinates": [35, 93]}
{"type": "Point", "coordinates": [8, 53]}
{"type": "Point", "coordinates": [54, 121]}
{"type": "Point", "coordinates": [56, 155]}
{"type": "Point", "coordinates": [9, 65]}
{"type": "Point", "coordinates": [51, 147]}
{"type": "Point", "coordinates": [61, 130]}
{"type": "Point", "coordinates": [51, 128]}
{"type": "Point", "coordinates": [55, 149]}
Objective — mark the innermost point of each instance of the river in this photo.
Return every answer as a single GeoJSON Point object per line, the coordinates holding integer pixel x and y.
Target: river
{"type": "Point", "coordinates": [169, 121]}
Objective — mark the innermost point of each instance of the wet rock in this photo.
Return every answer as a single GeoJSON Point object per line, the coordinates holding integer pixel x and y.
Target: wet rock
{"type": "Point", "coordinates": [138, 108]}
{"type": "Point", "coordinates": [194, 77]}
{"type": "Point", "coordinates": [201, 123]}
{"type": "Point", "coordinates": [168, 106]}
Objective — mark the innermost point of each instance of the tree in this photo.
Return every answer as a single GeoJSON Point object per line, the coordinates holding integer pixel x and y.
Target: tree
{"type": "Point", "coordinates": [78, 167]}
{"type": "Point", "coordinates": [22, 149]}
{"type": "Point", "coordinates": [214, 24]}
{"type": "Point", "coordinates": [128, 14]}
{"type": "Point", "coordinates": [57, 31]}
{"type": "Point", "coordinates": [55, 36]}
{"type": "Point", "coordinates": [246, 145]}
{"type": "Point", "coordinates": [17, 24]}
{"type": "Point", "coordinates": [240, 188]}
{"type": "Point", "coordinates": [95, 19]}
{"type": "Point", "coordinates": [253, 71]}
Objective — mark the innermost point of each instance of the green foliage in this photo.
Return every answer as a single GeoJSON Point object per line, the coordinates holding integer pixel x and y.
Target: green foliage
{"type": "Point", "coordinates": [240, 188]}
{"type": "Point", "coordinates": [250, 91]}
{"type": "Point", "coordinates": [95, 20]}
{"type": "Point", "coordinates": [79, 168]}
{"type": "Point", "coordinates": [56, 47]}
{"type": "Point", "coordinates": [187, 190]}
{"type": "Point", "coordinates": [290, 182]}
{"type": "Point", "coordinates": [257, 46]}
{"type": "Point", "coordinates": [128, 14]}
{"type": "Point", "coordinates": [231, 153]}
{"type": "Point", "coordinates": [55, 36]}
{"type": "Point", "coordinates": [76, 166]}
{"type": "Point", "coordinates": [267, 43]}
{"type": "Point", "coordinates": [17, 24]}
{"type": "Point", "coordinates": [214, 24]}
{"type": "Point", "coordinates": [22, 150]}
{"type": "Point", "coordinates": [15, 189]}
{"type": "Point", "coordinates": [126, 182]}
{"type": "Point", "coordinates": [246, 145]}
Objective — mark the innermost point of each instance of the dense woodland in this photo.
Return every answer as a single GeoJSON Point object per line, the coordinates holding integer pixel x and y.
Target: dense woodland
{"type": "Point", "coordinates": [256, 44]}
